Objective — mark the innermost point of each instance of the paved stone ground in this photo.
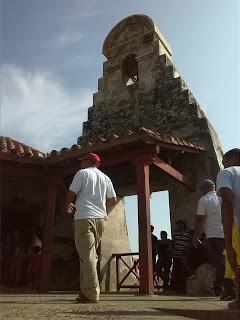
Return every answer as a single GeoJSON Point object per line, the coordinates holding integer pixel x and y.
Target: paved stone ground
{"type": "Point", "coordinates": [58, 306]}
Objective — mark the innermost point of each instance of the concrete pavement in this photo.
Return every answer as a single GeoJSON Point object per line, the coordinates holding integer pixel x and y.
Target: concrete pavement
{"type": "Point", "coordinates": [58, 306]}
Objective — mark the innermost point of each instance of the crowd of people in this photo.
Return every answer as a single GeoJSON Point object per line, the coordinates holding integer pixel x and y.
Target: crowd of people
{"type": "Point", "coordinates": [215, 238]}
{"type": "Point", "coordinates": [176, 260]}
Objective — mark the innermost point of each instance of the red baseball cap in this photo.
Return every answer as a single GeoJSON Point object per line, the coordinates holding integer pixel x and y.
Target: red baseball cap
{"type": "Point", "coordinates": [91, 156]}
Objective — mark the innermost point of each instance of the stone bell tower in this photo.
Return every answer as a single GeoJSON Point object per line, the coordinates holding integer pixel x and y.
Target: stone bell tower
{"type": "Point", "coordinates": [141, 87]}
{"type": "Point", "coordinates": [131, 49]}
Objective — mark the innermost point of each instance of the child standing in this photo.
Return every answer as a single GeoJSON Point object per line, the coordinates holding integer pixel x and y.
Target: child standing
{"type": "Point", "coordinates": [35, 266]}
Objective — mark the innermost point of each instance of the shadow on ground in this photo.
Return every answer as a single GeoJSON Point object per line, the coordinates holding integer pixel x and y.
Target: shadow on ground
{"type": "Point", "coordinates": [192, 314]}
{"type": "Point", "coordinates": [203, 314]}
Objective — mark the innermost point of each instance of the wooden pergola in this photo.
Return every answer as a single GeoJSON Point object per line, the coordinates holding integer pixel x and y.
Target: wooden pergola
{"type": "Point", "coordinates": [137, 153]}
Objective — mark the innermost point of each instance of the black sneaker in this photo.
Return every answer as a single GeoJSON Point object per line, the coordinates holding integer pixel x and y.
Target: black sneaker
{"type": "Point", "coordinates": [234, 305]}
{"type": "Point", "coordinates": [215, 291]}
{"type": "Point", "coordinates": [227, 297]}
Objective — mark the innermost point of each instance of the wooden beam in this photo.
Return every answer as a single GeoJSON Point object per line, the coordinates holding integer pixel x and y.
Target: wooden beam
{"type": "Point", "coordinates": [182, 148]}
{"type": "Point", "coordinates": [21, 168]}
{"type": "Point", "coordinates": [107, 160]}
{"type": "Point", "coordinates": [48, 235]}
{"type": "Point", "coordinates": [144, 229]}
{"type": "Point", "coordinates": [186, 181]}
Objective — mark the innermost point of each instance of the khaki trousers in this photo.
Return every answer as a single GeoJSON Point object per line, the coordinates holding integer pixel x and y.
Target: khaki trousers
{"type": "Point", "coordinates": [88, 234]}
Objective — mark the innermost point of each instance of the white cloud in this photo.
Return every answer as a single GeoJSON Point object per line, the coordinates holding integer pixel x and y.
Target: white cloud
{"type": "Point", "coordinates": [65, 39]}
{"type": "Point", "coordinates": [37, 110]}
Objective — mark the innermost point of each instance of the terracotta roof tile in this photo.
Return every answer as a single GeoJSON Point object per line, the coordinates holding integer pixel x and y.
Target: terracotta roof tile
{"type": "Point", "coordinates": [65, 150]}
{"type": "Point", "coordinates": [110, 139]}
{"type": "Point", "coordinates": [75, 147]}
{"type": "Point", "coordinates": [10, 148]}
{"type": "Point", "coordinates": [53, 153]}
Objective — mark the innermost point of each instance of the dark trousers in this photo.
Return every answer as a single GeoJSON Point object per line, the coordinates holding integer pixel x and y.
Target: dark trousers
{"type": "Point", "coordinates": [216, 248]}
{"type": "Point", "coordinates": [163, 269]}
{"type": "Point", "coordinates": [35, 280]}
{"type": "Point", "coordinates": [229, 287]}
{"type": "Point", "coordinates": [154, 262]}
{"type": "Point", "coordinates": [178, 281]}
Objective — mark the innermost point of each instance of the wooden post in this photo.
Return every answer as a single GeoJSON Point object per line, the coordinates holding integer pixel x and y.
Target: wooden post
{"type": "Point", "coordinates": [48, 235]}
{"type": "Point", "coordinates": [144, 229]}
{"type": "Point", "coordinates": [117, 272]}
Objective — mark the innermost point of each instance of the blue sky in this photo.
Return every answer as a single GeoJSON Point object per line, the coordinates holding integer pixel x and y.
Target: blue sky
{"type": "Point", "coordinates": [51, 59]}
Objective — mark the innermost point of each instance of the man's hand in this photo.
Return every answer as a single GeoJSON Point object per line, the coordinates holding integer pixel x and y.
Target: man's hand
{"type": "Point", "coordinates": [199, 221]}
{"type": "Point", "coordinates": [232, 259]}
{"type": "Point", "coordinates": [71, 208]}
{"type": "Point", "coordinates": [196, 242]}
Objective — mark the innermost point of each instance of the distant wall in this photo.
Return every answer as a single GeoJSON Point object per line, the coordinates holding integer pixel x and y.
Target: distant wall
{"type": "Point", "coordinates": [115, 240]}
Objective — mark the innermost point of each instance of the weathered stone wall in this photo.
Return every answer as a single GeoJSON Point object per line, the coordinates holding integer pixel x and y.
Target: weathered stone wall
{"type": "Point", "coordinates": [115, 240]}
{"type": "Point", "coordinates": [161, 101]}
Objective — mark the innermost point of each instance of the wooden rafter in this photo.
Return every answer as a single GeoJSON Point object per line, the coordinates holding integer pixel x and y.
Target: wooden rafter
{"type": "Point", "coordinates": [186, 181]}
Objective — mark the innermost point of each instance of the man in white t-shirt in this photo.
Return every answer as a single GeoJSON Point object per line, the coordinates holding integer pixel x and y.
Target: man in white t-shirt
{"type": "Point", "coordinates": [228, 186]}
{"type": "Point", "coordinates": [208, 219]}
{"type": "Point", "coordinates": [90, 194]}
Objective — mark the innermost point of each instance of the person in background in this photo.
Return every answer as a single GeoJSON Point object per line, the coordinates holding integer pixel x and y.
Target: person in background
{"type": "Point", "coordinates": [195, 256]}
{"type": "Point", "coordinates": [35, 266]}
{"type": "Point", "coordinates": [180, 243]}
{"type": "Point", "coordinates": [164, 261]}
{"type": "Point", "coordinates": [228, 186]}
{"type": "Point", "coordinates": [7, 257]}
{"type": "Point", "coordinates": [38, 237]}
{"type": "Point", "coordinates": [154, 249]}
{"type": "Point", "coordinates": [208, 219]}
{"type": "Point", "coordinates": [17, 271]}
{"type": "Point", "coordinates": [90, 194]}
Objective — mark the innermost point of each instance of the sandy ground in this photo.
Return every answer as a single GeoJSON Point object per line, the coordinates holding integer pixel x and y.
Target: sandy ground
{"type": "Point", "coordinates": [59, 306]}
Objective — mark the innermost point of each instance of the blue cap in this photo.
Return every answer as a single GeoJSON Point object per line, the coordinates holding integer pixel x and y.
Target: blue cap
{"type": "Point", "coordinates": [207, 183]}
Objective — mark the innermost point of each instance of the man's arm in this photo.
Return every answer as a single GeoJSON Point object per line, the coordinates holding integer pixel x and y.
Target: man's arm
{"type": "Point", "coordinates": [227, 214]}
{"type": "Point", "coordinates": [199, 221]}
{"type": "Point", "coordinates": [70, 202]}
{"type": "Point", "coordinates": [110, 202]}
{"type": "Point", "coordinates": [227, 218]}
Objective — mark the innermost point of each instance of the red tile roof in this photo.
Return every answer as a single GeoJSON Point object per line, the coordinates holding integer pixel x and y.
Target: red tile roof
{"type": "Point", "coordinates": [14, 150]}
{"type": "Point", "coordinates": [100, 143]}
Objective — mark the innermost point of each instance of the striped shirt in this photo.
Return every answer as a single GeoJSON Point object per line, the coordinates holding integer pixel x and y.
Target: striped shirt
{"type": "Point", "coordinates": [181, 241]}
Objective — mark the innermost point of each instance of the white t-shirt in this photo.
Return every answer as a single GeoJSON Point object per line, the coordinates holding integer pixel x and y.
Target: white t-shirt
{"type": "Point", "coordinates": [210, 206]}
{"type": "Point", "coordinates": [230, 178]}
{"type": "Point", "coordinates": [92, 188]}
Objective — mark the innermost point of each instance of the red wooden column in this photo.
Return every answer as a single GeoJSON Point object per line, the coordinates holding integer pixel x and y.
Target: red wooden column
{"type": "Point", "coordinates": [48, 235]}
{"type": "Point", "coordinates": [144, 229]}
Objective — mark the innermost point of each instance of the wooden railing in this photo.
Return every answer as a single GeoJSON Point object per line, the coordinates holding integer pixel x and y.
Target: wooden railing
{"type": "Point", "coordinates": [132, 270]}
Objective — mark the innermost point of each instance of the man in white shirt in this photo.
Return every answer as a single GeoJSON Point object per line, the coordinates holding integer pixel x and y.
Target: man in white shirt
{"type": "Point", "coordinates": [228, 186]}
{"type": "Point", "coordinates": [208, 219]}
{"type": "Point", "coordinates": [90, 194]}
